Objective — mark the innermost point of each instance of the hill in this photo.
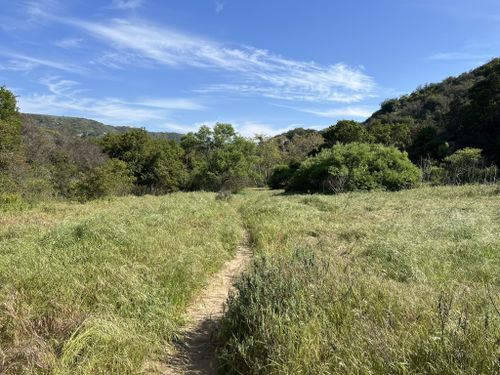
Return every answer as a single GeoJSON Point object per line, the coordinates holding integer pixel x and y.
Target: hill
{"type": "Point", "coordinates": [84, 127]}
{"type": "Point", "coordinates": [459, 112]}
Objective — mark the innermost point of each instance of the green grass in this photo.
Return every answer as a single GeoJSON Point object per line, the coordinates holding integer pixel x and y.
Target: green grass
{"type": "Point", "coordinates": [100, 288]}
{"type": "Point", "coordinates": [358, 283]}
{"type": "Point", "coordinates": [369, 283]}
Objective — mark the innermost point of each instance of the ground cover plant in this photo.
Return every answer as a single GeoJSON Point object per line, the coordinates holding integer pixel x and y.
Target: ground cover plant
{"type": "Point", "coordinates": [369, 283]}
{"type": "Point", "coordinates": [100, 288]}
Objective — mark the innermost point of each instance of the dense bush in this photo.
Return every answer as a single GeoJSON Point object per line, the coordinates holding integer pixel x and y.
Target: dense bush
{"type": "Point", "coordinates": [281, 176]}
{"type": "Point", "coordinates": [468, 166]}
{"type": "Point", "coordinates": [112, 178]}
{"type": "Point", "coordinates": [355, 166]}
{"type": "Point", "coordinates": [156, 164]}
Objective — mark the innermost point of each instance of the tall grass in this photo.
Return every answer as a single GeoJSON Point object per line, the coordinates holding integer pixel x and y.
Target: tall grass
{"type": "Point", "coordinates": [99, 288]}
{"type": "Point", "coordinates": [369, 283]}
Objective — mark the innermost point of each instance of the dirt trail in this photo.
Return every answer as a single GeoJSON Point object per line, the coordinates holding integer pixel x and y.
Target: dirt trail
{"type": "Point", "coordinates": [195, 355]}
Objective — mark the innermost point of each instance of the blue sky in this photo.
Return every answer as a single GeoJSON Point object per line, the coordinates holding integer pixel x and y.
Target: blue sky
{"type": "Point", "coordinates": [264, 65]}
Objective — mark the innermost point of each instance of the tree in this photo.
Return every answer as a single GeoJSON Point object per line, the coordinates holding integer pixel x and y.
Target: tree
{"type": "Point", "coordinates": [10, 122]}
{"type": "Point", "coordinates": [397, 134]}
{"type": "Point", "coordinates": [346, 131]}
{"type": "Point", "coordinates": [157, 165]}
{"type": "Point", "coordinates": [112, 178]}
{"type": "Point", "coordinates": [269, 154]}
{"type": "Point", "coordinates": [219, 158]}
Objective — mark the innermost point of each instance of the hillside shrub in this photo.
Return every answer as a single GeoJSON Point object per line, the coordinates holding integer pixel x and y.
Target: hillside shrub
{"type": "Point", "coordinates": [281, 175]}
{"type": "Point", "coordinates": [356, 166]}
{"type": "Point", "coordinates": [468, 166]}
{"type": "Point", "coordinates": [113, 178]}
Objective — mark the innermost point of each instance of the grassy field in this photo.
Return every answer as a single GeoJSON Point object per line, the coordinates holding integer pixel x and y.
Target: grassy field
{"type": "Point", "coordinates": [359, 283]}
{"type": "Point", "coordinates": [100, 288]}
{"type": "Point", "coordinates": [369, 283]}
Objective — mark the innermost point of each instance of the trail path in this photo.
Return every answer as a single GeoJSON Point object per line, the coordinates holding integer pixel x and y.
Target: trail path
{"type": "Point", "coordinates": [195, 355]}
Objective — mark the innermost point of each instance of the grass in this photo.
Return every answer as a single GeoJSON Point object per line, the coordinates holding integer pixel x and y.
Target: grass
{"type": "Point", "coordinates": [358, 283]}
{"type": "Point", "coordinates": [369, 283]}
{"type": "Point", "coordinates": [99, 288]}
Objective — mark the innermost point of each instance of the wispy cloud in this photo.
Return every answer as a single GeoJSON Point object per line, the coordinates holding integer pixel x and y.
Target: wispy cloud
{"type": "Point", "coordinates": [259, 72]}
{"type": "Point", "coordinates": [33, 62]}
{"type": "Point", "coordinates": [64, 97]}
{"type": "Point", "coordinates": [14, 65]}
{"type": "Point", "coordinates": [69, 42]}
{"type": "Point", "coordinates": [356, 112]}
{"type": "Point", "coordinates": [460, 56]}
{"type": "Point", "coordinates": [127, 4]}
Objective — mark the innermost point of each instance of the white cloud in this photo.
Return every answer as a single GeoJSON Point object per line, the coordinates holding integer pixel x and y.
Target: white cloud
{"type": "Point", "coordinates": [358, 112]}
{"type": "Point", "coordinates": [251, 129]}
{"type": "Point", "coordinates": [18, 66]}
{"type": "Point", "coordinates": [127, 4]}
{"type": "Point", "coordinates": [33, 62]}
{"type": "Point", "coordinates": [259, 72]}
{"type": "Point", "coordinates": [69, 42]}
{"type": "Point", "coordinates": [170, 103]}
{"type": "Point", "coordinates": [63, 98]}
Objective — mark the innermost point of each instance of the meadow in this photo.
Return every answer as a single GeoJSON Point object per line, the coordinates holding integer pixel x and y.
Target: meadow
{"type": "Point", "coordinates": [369, 283]}
{"type": "Point", "coordinates": [100, 288]}
{"type": "Point", "coordinates": [365, 282]}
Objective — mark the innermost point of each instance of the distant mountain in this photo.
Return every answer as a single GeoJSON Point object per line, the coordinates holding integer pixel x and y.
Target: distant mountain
{"type": "Point", "coordinates": [84, 127]}
{"type": "Point", "coordinates": [459, 112]}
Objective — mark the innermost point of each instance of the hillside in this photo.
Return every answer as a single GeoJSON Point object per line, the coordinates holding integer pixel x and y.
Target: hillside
{"type": "Point", "coordinates": [459, 112]}
{"type": "Point", "coordinates": [85, 127]}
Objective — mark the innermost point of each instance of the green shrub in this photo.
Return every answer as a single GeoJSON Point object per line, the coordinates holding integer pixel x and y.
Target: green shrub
{"type": "Point", "coordinates": [468, 166]}
{"type": "Point", "coordinates": [12, 202]}
{"type": "Point", "coordinates": [281, 176]}
{"type": "Point", "coordinates": [356, 166]}
{"type": "Point", "coordinates": [112, 178]}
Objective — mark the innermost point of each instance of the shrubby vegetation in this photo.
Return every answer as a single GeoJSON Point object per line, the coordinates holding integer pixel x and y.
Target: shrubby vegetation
{"type": "Point", "coordinates": [437, 126]}
{"type": "Point", "coordinates": [355, 166]}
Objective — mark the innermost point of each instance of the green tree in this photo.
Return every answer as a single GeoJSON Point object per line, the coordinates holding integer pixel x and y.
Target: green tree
{"type": "Point", "coordinates": [157, 165]}
{"type": "Point", "coordinates": [114, 178]}
{"type": "Point", "coordinates": [396, 134]}
{"type": "Point", "coordinates": [270, 155]}
{"type": "Point", "coordinates": [346, 131]}
{"type": "Point", "coordinates": [220, 159]}
{"type": "Point", "coordinates": [10, 122]}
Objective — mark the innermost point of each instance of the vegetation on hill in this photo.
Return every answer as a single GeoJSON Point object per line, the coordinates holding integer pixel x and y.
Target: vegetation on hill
{"type": "Point", "coordinates": [459, 112]}
{"type": "Point", "coordinates": [85, 127]}
{"type": "Point", "coordinates": [369, 283]}
{"type": "Point", "coordinates": [437, 126]}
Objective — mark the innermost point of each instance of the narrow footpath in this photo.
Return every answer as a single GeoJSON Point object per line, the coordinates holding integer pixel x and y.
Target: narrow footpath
{"type": "Point", "coordinates": [195, 354]}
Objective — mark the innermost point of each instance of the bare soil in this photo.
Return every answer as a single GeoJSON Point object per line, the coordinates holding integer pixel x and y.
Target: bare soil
{"type": "Point", "coordinates": [195, 352]}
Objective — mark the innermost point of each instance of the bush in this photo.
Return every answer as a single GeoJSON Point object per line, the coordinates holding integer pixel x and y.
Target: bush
{"type": "Point", "coordinates": [356, 166]}
{"type": "Point", "coordinates": [281, 176]}
{"type": "Point", "coordinates": [467, 166]}
{"type": "Point", "coordinates": [113, 178]}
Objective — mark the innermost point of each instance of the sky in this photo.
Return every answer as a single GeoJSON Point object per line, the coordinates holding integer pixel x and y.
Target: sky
{"type": "Point", "coordinates": [266, 66]}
